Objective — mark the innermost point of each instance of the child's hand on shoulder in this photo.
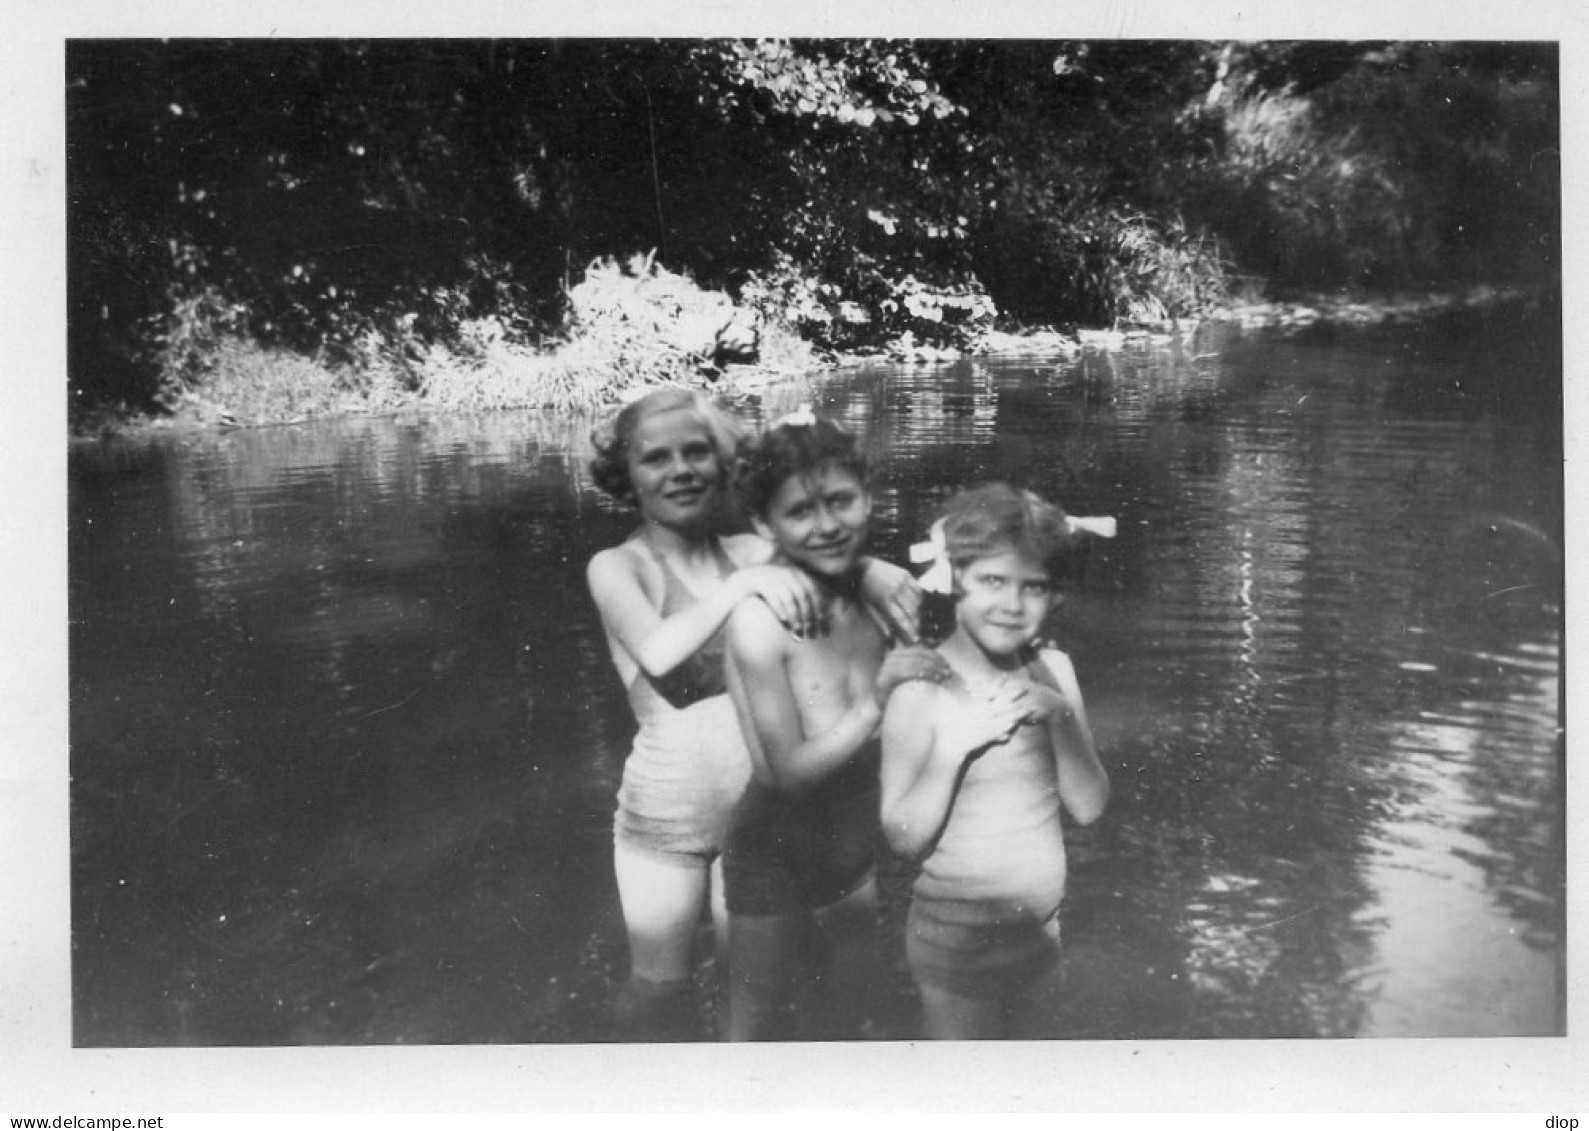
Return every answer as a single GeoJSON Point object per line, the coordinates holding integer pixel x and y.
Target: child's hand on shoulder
{"type": "Point", "coordinates": [790, 594]}
{"type": "Point", "coordinates": [901, 665]}
{"type": "Point", "coordinates": [892, 593]}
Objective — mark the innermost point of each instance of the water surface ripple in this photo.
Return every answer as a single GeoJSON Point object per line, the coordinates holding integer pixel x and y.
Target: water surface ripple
{"type": "Point", "coordinates": [345, 740]}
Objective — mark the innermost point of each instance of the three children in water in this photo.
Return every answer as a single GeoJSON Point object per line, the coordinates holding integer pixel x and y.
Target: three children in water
{"type": "Point", "coordinates": [835, 719]}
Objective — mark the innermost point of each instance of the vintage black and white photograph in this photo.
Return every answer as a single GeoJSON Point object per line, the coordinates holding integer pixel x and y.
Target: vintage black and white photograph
{"type": "Point", "coordinates": [838, 541]}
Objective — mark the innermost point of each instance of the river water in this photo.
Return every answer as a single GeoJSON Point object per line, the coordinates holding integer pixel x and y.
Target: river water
{"type": "Point", "coordinates": [344, 737]}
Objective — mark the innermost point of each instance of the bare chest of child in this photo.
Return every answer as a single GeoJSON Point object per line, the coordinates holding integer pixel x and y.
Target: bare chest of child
{"type": "Point", "coordinates": [830, 673]}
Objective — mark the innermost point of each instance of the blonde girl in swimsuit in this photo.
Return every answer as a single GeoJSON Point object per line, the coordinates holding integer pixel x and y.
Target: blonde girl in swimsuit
{"type": "Point", "coordinates": [976, 769]}
{"type": "Point", "coordinates": [664, 595]}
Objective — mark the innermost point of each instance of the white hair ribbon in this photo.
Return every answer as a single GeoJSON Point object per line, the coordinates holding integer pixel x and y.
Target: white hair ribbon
{"type": "Point", "coordinates": [1102, 527]}
{"type": "Point", "coordinates": [801, 417]}
{"type": "Point", "coordinates": [938, 578]}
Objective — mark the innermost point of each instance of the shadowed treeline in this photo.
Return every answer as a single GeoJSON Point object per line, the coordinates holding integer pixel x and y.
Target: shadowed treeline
{"type": "Point", "coordinates": [362, 203]}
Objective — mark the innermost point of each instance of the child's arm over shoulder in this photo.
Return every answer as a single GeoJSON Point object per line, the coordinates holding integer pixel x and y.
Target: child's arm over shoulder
{"type": "Point", "coordinates": [657, 644]}
{"type": "Point", "coordinates": [889, 591]}
{"type": "Point", "coordinates": [892, 595]}
{"type": "Point", "coordinates": [617, 585]}
{"type": "Point", "coordinates": [660, 644]}
{"type": "Point", "coordinates": [747, 549]}
{"type": "Point", "coordinates": [757, 669]}
{"type": "Point", "coordinates": [1083, 782]}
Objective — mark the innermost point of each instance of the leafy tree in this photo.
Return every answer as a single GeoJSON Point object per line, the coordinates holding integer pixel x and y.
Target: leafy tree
{"type": "Point", "coordinates": [341, 196]}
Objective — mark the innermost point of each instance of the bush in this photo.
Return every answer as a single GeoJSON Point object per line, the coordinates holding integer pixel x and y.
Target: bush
{"type": "Point", "coordinates": [1300, 203]}
{"type": "Point", "coordinates": [1470, 136]}
{"type": "Point", "coordinates": [1100, 265]}
{"type": "Point", "coordinates": [870, 309]}
{"type": "Point", "coordinates": [629, 325]}
{"type": "Point", "coordinates": [244, 383]}
{"type": "Point", "coordinates": [188, 342]}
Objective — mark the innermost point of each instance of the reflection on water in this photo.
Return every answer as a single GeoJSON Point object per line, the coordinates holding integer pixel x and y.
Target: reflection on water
{"type": "Point", "coordinates": [345, 739]}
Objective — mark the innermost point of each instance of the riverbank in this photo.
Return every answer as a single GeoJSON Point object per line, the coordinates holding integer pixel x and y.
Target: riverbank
{"type": "Point", "coordinates": [612, 353]}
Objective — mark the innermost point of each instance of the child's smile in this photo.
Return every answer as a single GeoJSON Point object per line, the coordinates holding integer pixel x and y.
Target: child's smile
{"type": "Point", "coordinates": [674, 468]}
{"type": "Point", "coordinates": [1003, 602]}
{"type": "Point", "coordinates": [819, 521]}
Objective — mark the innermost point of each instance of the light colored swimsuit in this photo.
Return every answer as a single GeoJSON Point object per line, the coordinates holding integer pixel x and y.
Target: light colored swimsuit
{"type": "Point", "coordinates": [689, 764]}
{"type": "Point", "coordinates": [984, 914]}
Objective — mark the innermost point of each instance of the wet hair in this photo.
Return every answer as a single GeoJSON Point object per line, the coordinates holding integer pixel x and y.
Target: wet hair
{"type": "Point", "coordinates": [996, 518]}
{"type": "Point", "coordinates": [794, 448]}
{"type": "Point", "coordinates": [610, 468]}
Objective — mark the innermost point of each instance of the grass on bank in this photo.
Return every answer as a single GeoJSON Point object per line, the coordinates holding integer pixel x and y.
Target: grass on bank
{"type": "Point", "coordinates": [629, 325]}
{"type": "Point", "coordinates": [624, 334]}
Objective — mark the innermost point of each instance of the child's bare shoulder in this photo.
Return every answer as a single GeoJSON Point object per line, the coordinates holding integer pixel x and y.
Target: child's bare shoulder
{"type": "Point", "coordinates": [911, 717]}
{"type": "Point", "coordinates": [622, 560]}
{"type": "Point", "coordinates": [747, 549]}
{"type": "Point", "coordinates": [1059, 668]}
{"type": "Point", "coordinates": [1053, 658]}
{"type": "Point", "coordinates": [918, 698]}
{"type": "Point", "coordinates": [755, 633]}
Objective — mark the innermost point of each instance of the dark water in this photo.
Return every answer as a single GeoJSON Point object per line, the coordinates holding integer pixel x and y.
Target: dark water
{"type": "Point", "coordinates": [345, 738]}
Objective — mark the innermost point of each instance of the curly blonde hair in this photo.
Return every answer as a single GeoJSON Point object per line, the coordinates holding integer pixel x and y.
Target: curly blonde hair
{"type": "Point", "coordinates": [610, 468]}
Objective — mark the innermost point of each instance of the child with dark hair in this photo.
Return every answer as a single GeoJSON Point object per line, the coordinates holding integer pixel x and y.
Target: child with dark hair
{"type": "Point", "coordinates": [799, 863]}
{"type": "Point", "coordinates": [664, 594]}
{"type": "Point", "coordinates": [976, 770]}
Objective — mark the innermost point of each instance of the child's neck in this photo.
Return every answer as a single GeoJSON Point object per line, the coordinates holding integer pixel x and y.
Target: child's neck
{"type": "Point", "coordinates": [679, 542]}
{"type": "Point", "coordinates": [972, 660]}
{"type": "Point", "coordinates": [837, 593]}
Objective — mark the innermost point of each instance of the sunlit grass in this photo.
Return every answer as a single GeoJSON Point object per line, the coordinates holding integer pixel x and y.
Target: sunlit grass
{"type": "Point", "coordinates": [246, 383]}
{"type": "Point", "coordinates": [635, 325]}
{"type": "Point", "coordinates": [631, 325]}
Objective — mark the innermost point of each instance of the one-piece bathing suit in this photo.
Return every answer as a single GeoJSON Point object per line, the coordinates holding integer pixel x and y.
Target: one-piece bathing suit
{"type": "Point", "coordinates": [689, 764]}
{"type": "Point", "coordinates": [984, 914]}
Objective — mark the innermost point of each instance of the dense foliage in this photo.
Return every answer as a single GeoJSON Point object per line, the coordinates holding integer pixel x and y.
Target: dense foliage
{"type": "Point", "coordinates": [359, 201]}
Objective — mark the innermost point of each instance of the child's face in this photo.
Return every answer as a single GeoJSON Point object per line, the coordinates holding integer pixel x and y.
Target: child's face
{"type": "Point", "coordinates": [1003, 601]}
{"type": "Point", "coordinates": [674, 469]}
{"type": "Point", "coordinates": [819, 521]}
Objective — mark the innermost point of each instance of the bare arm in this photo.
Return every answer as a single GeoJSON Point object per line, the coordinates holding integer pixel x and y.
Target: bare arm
{"type": "Point", "coordinates": [1083, 782]}
{"type": "Point", "coordinates": [759, 682]}
{"type": "Point", "coordinates": [928, 737]}
{"type": "Point", "coordinates": [891, 593]}
{"type": "Point", "coordinates": [660, 644]}
{"type": "Point", "coordinates": [918, 783]}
